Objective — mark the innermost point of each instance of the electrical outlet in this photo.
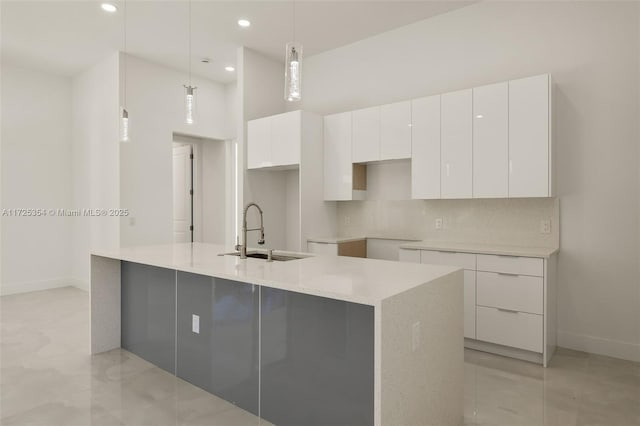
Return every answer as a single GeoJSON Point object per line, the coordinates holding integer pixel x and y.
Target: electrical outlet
{"type": "Point", "coordinates": [132, 221]}
{"type": "Point", "coordinates": [545, 226]}
{"type": "Point", "coordinates": [438, 223]}
{"type": "Point", "coordinates": [347, 220]}
{"type": "Point", "coordinates": [195, 323]}
{"type": "Point", "coordinates": [415, 336]}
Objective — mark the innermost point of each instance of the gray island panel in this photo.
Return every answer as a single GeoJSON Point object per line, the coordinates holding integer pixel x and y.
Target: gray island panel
{"type": "Point", "coordinates": [317, 363]}
{"type": "Point", "coordinates": [148, 313]}
{"type": "Point", "coordinates": [223, 357]}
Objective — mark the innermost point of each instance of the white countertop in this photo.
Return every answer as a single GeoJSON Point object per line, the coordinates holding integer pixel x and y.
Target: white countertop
{"type": "Point", "coordinates": [480, 248]}
{"type": "Point", "coordinates": [334, 240]}
{"type": "Point", "coordinates": [351, 279]}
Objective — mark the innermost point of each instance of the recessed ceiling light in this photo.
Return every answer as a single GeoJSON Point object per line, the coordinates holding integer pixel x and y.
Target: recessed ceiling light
{"type": "Point", "coordinates": [479, 116]}
{"type": "Point", "coordinates": [229, 68]}
{"type": "Point", "coordinates": [244, 23]}
{"type": "Point", "coordinates": [108, 7]}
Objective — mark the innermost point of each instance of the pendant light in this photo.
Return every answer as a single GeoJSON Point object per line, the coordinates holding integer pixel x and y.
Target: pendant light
{"type": "Point", "coordinates": [190, 91]}
{"type": "Point", "coordinates": [124, 114]}
{"type": "Point", "coordinates": [293, 66]}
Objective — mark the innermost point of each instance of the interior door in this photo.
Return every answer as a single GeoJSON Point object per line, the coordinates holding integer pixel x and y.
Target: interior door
{"type": "Point", "coordinates": [182, 194]}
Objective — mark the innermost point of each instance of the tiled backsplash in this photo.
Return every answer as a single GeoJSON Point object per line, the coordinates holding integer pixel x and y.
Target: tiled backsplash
{"type": "Point", "coordinates": [494, 221]}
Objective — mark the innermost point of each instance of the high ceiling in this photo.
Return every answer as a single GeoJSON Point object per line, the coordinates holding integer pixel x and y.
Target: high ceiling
{"type": "Point", "coordinates": [66, 37]}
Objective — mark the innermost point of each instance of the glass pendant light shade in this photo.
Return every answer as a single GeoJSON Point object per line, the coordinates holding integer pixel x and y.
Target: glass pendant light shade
{"type": "Point", "coordinates": [190, 109]}
{"type": "Point", "coordinates": [293, 72]}
{"type": "Point", "coordinates": [124, 126]}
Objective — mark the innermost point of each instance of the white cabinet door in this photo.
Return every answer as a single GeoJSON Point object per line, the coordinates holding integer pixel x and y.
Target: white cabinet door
{"type": "Point", "coordinates": [470, 304]}
{"type": "Point", "coordinates": [425, 148]}
{"type": "Point", "coordinates": [491, 141]}
{"type": "Point", "coordinates": [286, 133]}
{"type": "Point", "coordinates": [259, 143]}
{"type": "Point", "coordinates": [529, 171]}
{"type": "Point", "coordinates": [395, 131]}
{"type": "Point", "coordinates": [338, 170]}
{"type": "Point", "coordinates": [322, 248]}
{"type": "Point", "coordinates": [366, 135]}
{"type": "Point", "coordinates": [456, 144]}
{"type": "Point", "coordinates": [409, 255]}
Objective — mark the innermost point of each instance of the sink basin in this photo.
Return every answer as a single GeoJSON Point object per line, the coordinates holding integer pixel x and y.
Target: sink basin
{"type": "Point", "coordinates": [261, 255]}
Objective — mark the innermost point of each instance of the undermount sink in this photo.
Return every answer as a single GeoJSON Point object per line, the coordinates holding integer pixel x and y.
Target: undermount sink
{"type": "Point", "coordinates": [261, 255]}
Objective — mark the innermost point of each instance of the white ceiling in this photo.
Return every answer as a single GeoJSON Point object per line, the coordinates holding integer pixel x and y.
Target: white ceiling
{"type": "Point", "coordinates": [66, 37]}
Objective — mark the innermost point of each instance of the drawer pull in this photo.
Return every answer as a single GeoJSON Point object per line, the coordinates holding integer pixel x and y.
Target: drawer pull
{"type": "Point", "coordinates": [510, 311]}
{"type": "Point", "coordinates": [507, 274]}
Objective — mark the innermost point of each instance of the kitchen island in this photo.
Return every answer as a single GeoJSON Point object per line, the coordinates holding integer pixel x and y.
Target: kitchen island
{"type": "Point", "coordinates": [315, 341]}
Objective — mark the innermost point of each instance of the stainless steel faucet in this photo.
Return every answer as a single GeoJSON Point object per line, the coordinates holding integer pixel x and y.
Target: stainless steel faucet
{"type": "Point", "coordinates": [243, 247]}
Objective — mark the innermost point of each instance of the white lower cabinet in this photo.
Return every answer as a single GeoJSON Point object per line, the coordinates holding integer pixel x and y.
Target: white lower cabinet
{"type": "Point", "coordinates": [509, 301]}
{"type": "Point", "coordinates": [510, 328]}
{"type": "Point", "coordinates": [322, 248]}
{"type": "Point", "coordinates": [469, 304]}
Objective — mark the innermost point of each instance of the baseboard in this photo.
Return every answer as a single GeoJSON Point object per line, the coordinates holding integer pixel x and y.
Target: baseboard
{"type": "Point", "coordinates": [507, 351]}
{"type": "Point", "coordinates": [82, 285]}
{"type": "Point", "coordinates": [597, 345]}
{"type": "Point", "coordinates": [29, 286]}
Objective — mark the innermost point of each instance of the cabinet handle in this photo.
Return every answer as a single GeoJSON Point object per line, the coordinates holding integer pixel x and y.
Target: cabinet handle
{"type": "Point", "coordinates": [509, 311]}
{"type": "Point", "coordinates": [507, 274]}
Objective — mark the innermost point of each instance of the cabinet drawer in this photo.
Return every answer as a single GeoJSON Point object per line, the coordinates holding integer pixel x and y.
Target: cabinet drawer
{"type": "Point", "coordinates": [322, 248]}
{"type": "Point", "coordinates": [511, 264]}
{"type": "Point", "coordinates": [515, 329]}
{"type": "Point", "coordinates": [461, 260]}
{"type": "Point", "coordinates": [516, 292]}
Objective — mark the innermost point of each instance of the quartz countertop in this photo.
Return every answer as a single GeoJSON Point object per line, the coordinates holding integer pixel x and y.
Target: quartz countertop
{"type": "Point", "coordinates": [481, 248]}
{"type": "Point", "coordinates": [366, 281]}
{"type": "Point", "coordinates": [334, 240]}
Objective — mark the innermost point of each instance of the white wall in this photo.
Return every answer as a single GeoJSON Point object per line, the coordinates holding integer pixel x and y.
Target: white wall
{"type": "Point", "coordinates": [261, 93]}
{"type": "Point", "coordinates": [95, 162]}
{"type": "Point", "coordinates": [36, 164]}
{"type": "Point", "coordinates": [155, 101]}
{"type": "Point", "coordinates": [591, 49]}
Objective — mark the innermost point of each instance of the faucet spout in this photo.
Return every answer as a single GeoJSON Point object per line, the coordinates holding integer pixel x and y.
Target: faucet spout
{"type": "Point", "coordinates": [243, 247]}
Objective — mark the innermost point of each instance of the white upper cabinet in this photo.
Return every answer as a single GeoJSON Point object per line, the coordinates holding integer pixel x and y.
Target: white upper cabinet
{"type": "Point", "coordinates": [395, 131]}
{"type": "Point", "coordinates": [491, 141]}
{"type": "Point", "coordinates": [338, 170]}
{"type": "Point", "coordinates": [456, 144]}
{"type": "Point", "coordinates": [425, 148]}
{"type": "Point", "coordinates": [366, 135]}
{"type": "Point", "coordinates": [259, 143]}
{"type": "Point", "coordinates": [285, 138]}
{"type": "Point", "coordinates": [274, 141]}
{"type": "Point", "coordinates": [529, 137]}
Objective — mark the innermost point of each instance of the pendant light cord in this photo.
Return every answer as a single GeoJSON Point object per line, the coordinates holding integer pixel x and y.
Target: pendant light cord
{"type": "Point", "coordinates": [189, 43]}
{"type": "Point", "coordinates": [125, 53]}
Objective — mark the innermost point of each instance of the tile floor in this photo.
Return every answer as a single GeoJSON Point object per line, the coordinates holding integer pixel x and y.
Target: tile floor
{"type": "Point", "coordinates": [47, 377]}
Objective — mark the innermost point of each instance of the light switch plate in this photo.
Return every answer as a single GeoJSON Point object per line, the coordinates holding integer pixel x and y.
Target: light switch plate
{"type": "Point", "coordinates": [195, 323]}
